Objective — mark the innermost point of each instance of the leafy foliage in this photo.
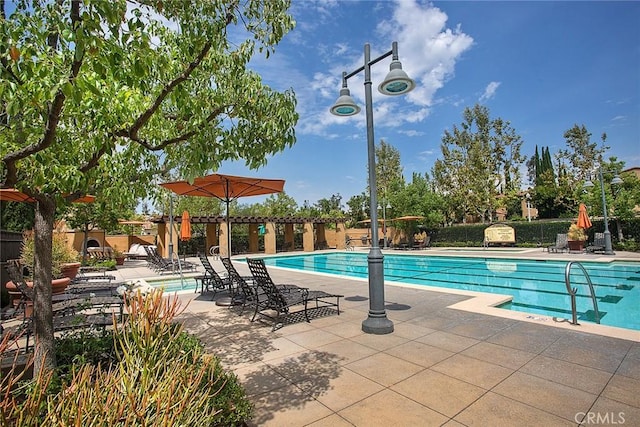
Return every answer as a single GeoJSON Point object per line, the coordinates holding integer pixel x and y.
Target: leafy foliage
{"type": "Point", "coordinates": [61, 252]}
{"type": "Point", "coordinates": [107, 94]}
{"type": "Point", "coordinates": [148, 372]}
{"type": "Point", "coordinates": [481, 158]}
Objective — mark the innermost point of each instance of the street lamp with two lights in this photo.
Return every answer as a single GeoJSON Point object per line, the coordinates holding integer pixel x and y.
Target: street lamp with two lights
{"type": "Point", "coordinates": [608, 249]}
{"type": "Point", "coordinates": [396, 83]}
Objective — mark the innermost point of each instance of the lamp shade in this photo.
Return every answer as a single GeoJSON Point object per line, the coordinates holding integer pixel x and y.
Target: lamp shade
{"type": "Point", "coordinates": [345, 105]}
{"type": "Point", "coordinates": [397, 81]}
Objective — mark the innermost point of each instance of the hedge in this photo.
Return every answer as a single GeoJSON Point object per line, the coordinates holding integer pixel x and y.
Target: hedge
{"type": "Point", "coordinates": [536, 233]}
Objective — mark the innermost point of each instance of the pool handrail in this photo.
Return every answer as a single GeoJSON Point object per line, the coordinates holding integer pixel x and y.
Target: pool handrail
{"type": "Point", "coordinates": [573, 291]}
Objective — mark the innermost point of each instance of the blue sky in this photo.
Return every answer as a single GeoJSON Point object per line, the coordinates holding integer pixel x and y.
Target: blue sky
{"type": "Point", "coordinates": [543, 66]}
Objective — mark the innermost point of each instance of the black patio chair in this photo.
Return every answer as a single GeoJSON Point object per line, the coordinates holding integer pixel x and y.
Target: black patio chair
{"type": "Point", "coordinates": [562, 244]}
{"type": "Point", "coordinates": [246, 293]}
{"type": "Point", "coordinates": [597, 245]}
{"type": "Point", "coordinates": [281, 300]}
{"type": "Point", "coordinates": [74, 312]}
{"type": "Point", "coordinates": [211, 280]}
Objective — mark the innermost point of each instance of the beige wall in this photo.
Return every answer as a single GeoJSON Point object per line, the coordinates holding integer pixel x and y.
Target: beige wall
{"type": "Point", "coordinates": [118, 242]}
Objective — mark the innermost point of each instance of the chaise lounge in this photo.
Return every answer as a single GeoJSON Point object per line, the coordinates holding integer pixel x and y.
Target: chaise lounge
{"type": "Point", "coordinates": [275, 302]}
{"type": "Point", "coordinates": [562, 244]}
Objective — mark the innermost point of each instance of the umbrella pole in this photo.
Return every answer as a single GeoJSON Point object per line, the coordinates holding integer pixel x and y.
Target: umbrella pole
{"type": "Point", "coordinates": [228, 232]}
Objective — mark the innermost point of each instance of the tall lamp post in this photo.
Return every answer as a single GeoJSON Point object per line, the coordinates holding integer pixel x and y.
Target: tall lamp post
{"type": "Point", "coordinates": [384, 208]}
{"type": "Point", "coordinates": [608, 249]}
{"type": "Point", "coordinates": [396, 83]}
{"type": "Point", "coordinates": [528, 196]}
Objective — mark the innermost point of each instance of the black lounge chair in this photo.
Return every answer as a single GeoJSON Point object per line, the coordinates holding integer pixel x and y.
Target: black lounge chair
{"type": "Point", "coordinates": [424, 244]}
{"type": "Point", "coordinates": [597, 245]}
{"type": "Point", "coordinates": [278, 300]}
{"type": "Point", "coordinates": [246, 292]}
{"type": "Point", "coordinates": [562, 244]}
{"type": "Point", "coordinates": [211, 280]}
{"type": "Point", "coordinates": [163, 265]}
{"type": "Point", "coordinates": [75, 312]}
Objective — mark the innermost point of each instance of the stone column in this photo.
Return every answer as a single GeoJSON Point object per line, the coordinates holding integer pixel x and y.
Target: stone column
{"type": "Point", "coordinates": [321, 237]}
{"type": "Point", "coordinates": [163, 233]}
{"type": "Point", "coordinates": [340, 235]}
{"type": "Point", "coordinates": [211, 236]}
{"type": "Point", "coordinates": [224, 249]}
{"type": "Point", "coordinates": [253, 238]}
{"type": "Point", "coordinates": [307, 237]}
{"type": "Point", "coordinates": [289, 242]}
{"type": "Point", "coordinates": [270, 238]}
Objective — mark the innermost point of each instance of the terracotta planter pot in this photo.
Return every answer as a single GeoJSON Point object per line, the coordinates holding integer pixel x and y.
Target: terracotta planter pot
{"type": "Point", "coordinates": [70, 270]}
{"type": "Point", "coordinates": [119, 260]}
{"type": "Point", "coordinates": [576, 245]}
{"type": "Point", "coordinates": [58, 286]}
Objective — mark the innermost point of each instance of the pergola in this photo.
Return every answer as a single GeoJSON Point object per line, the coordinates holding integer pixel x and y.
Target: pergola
{"type": "Point", "coordinates": [216, 229]}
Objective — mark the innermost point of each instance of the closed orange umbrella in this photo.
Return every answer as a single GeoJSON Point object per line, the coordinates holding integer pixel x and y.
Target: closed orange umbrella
{"type": "Point", "coordinates": [583, 219]}
{"type": "Point", "coordinates": [185, 227]}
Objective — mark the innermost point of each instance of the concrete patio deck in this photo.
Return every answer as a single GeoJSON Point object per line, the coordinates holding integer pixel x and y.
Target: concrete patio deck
{"type": "Point", "coordinates": [441, 365]}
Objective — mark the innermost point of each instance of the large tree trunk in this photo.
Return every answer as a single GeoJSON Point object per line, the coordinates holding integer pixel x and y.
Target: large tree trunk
{"type": "Point", "coordinates": [44, 356]}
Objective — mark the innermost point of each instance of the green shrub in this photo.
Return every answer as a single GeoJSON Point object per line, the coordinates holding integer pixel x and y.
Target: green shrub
{"type": "Point", "coordinates": [537, 233]}
{"type": "Point", "coordinates": [149, 372]}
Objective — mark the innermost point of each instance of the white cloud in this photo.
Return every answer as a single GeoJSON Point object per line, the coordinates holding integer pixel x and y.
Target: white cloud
{"type": "Point", "coordinates": [427, 155]}
{"type": "Point", "coordinates": [428, 51]}
{"type": "Point", "coordinates": [490, 91]}
{"type": "Point", "coordinates": [411, 132]}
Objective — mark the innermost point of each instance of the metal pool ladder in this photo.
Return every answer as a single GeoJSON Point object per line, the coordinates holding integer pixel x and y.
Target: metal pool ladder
{"type": "Point", "coordinates": [573, 291]}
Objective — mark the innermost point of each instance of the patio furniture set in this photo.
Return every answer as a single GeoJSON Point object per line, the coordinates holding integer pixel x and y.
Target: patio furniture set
{"type": "Point", "coordinates": [562, 244]}
{"type": "Point", "coordinates": [271, 301]}
{"type": "Point", "coordinates": [89, 301]}
{"type": "Point", "coordinates": [159, 264]}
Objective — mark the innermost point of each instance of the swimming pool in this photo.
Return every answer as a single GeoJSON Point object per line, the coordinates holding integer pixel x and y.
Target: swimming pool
{"type": "Point", "coordinates": [536, 286]}
{"type": "Point", "coordinates": [171, 285]}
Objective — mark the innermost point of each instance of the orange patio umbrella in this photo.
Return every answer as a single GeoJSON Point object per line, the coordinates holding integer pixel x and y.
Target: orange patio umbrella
{"type": "Point", "coordinates": [408, 218]}
{"type": "Point", "coordinates": [226, 188]}
{"type": "Point", "coordinates": [13, 195]}
{"type": "Point", "coordinates": [583, 219]}
{"type": "Point", "coordinates": [185, 227]}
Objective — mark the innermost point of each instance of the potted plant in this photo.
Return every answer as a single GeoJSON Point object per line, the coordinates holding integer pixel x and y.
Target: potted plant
{"type": "Point", "coordinates": [576, 236]}
{"type": "Point", "coordinates": [118, 256]}
{"type": "Point", "coordinates": [64, 264]}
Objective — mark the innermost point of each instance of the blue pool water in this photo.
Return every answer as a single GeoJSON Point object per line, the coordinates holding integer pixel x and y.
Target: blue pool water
{"type": "Point", "coordinates": [536, 286]}
{"type": "Point", "coordinates": [175, 285]}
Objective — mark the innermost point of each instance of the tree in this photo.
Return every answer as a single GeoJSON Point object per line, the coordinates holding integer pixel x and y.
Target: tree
{"type": "Point", "coordinates": [356, 206]}
{"type": "Point", "coordinates": [388, 170]}
{"type": "Point", "coordinates": [582, 154]}
{"type": "Point", "coordinates": [330, 208]}
{"type": "Point", "coordinates": [545, 192]}
{"type": "Point", "coordinates": [16, 216]}
{"type": "Point", "coordinates": [621, 199]}
{"type": "Point", "coordinates": [100, 213]}
{"type": "Point", "coordinates": [481, 158]}
{"type": "Point", "coordinates": [279, 205]}
{"type": "Point", "coordinates": [418, 198]}
{"type": "Point", "coordinates": [107, 94]}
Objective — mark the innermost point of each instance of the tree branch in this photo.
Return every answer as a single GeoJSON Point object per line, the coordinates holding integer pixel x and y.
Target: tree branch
{"type": "Point", "coordinates": [53, 117]}
{"type": "Point", "coordinates": [132, 132]}
{"type": "Point", "coordinates": [180, 138]}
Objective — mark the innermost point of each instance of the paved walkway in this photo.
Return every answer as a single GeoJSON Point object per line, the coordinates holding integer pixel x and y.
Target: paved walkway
{"type": "Point", "coordinates": [440, 366]}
